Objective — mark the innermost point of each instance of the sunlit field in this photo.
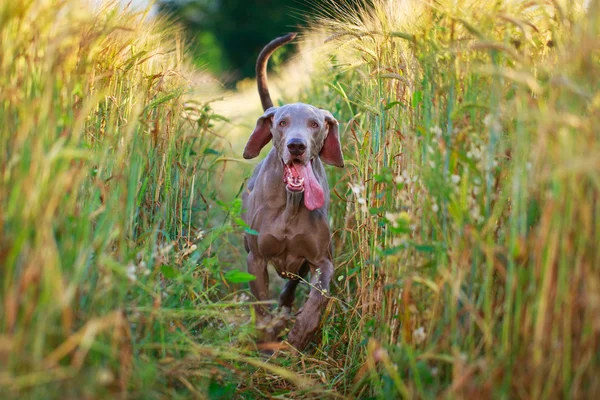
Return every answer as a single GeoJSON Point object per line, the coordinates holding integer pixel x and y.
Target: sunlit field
{"type": "Point", "coordinates": [466, 221]}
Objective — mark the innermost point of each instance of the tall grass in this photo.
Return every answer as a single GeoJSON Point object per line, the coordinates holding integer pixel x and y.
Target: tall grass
{"type": "Point", "coordinates": [466, 222]}
{"type": "Point", "coordinates": [105, 231]}
{"type": "Point", "coordinates": [468, 229]}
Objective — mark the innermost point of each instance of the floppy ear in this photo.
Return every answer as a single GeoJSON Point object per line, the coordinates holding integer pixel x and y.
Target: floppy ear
{"type": "Point", "coordinates": [331, 152]}
{"type": "Point", "coordinates": [261, 135]}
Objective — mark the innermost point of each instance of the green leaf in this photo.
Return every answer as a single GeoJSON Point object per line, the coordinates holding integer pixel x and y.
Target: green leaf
{"type": "Point", "coordinates": [424, 372]}
{"type": "Point", "coordinates": [217, 117]}
{"type": "Point", "coordinates": [251, 231]}
{"type": "Point", "coordinates": [417, 98]}
{"type": "Point", "coordinates": [218, 391]}
{"type": "Point", "coordinates": [211, 151]}
{"type": "Point", "coordinates": [403, 35]}
{"type": "Point", "coordinates": [424, 248]}
{"type": "Point", "coordinates": [169, 272]}
{"type": "Point", "coordinates": [392, 104]}
{"type": "Point", "coordinates": [236, 276]}
{"type": "Point", "coordinates": [384, 177]}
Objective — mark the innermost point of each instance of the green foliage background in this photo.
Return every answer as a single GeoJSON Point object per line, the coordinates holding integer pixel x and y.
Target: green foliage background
{"type": "Point", "coordinates": [225, 36]}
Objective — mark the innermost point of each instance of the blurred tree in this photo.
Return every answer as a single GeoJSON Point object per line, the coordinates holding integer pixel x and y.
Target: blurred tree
{"type": "Point", "coordinates": [226, 35]}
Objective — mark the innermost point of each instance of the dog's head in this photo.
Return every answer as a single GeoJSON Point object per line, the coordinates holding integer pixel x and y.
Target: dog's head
{"type": "Point", "coordinates": [300, 133]}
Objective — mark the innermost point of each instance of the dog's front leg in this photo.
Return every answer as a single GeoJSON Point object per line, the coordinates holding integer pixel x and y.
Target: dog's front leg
{"type": "Point", "coordinates": [260, 289]}
{"type": "Point", "coordinates": [260, 286]}
{"type": "Point", "coordinates": [309, 316]}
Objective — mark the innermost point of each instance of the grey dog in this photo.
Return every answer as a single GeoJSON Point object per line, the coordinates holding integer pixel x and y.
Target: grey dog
{"type": "Point", "coordinates": [286, 202]}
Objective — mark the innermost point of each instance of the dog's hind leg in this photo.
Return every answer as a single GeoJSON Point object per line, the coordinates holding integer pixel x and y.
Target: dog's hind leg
{"type": "Point", "coordinates": [288, 294]}
{"type": "Point", "coordinates": [309, 315]}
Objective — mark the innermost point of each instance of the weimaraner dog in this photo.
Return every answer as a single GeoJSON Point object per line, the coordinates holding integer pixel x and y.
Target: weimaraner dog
{"type": "Point", "coordinates": [286, 202]}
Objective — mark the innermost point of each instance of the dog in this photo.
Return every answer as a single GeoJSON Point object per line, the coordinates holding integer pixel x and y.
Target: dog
{"type": "Point", "coordinates": [287, 200]}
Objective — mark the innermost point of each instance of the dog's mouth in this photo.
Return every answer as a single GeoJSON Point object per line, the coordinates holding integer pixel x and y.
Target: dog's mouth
{"type": "Point", "coordinates": [299, 177]}
{"type": "Point", "coordinates": [291, 177]}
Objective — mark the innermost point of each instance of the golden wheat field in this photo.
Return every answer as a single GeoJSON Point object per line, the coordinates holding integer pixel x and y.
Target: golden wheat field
{"type": "Point", "coordinates": [466, 222]}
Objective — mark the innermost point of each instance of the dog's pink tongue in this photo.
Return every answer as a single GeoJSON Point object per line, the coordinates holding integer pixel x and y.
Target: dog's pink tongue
{"type": "Point", "coordinates": [313, 192]}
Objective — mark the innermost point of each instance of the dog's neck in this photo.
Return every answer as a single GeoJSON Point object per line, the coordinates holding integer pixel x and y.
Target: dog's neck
{"type": "Point", "coordinates": [277, 194]}
{"type": "Point", "coordinates": [294, 200]}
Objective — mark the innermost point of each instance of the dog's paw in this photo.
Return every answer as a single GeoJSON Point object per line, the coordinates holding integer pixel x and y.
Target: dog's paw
{"type": "Point", "coordinates": [304, 328]}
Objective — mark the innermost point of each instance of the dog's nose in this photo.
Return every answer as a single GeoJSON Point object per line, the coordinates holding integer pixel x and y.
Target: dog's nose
{"type": "Point", "coordinates": [297, 147]}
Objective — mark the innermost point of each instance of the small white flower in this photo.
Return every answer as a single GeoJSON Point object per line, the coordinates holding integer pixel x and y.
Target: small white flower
{"type": "Point", "coordinates": [492, 123]}
{"type": "Point", "coordinates": [435, 208]}
{"type": "Point", "coordinates": [455, 179]}
{"type": "Point", "coordinates": [104, 376]}
{"type": "Point", "coordinates": [393, 218]}
{"type": "Point", "coordinates": [475, 213]}
{"type": "Point", "coordinates": [419, 335]}
{"type": "Point", "coordinates": [397, 241]}
{"type": "Point", "coordinates": [399, 179]}
{"type": "Point", "coordinates": [362, 200]}
{"type": "Point", "coordinates": [130, 271]}
{"type": "Point", "coordinates": [244, 298]}
{"type": "Point", "coordinates": [357, 189]}
{"type": "Point", "coordinates": [487, 120]}
{"type": "Point", "coordinates": [436, 130]}
{"type": "Point", "coordinates": [469, 155]}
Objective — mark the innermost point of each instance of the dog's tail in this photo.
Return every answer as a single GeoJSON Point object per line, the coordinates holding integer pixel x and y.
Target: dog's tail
{"type": "Point", "coordinates": [261, 67]}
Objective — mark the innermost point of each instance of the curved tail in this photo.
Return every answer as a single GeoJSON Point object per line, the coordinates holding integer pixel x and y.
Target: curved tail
{"type": "Point", "coordinates": [261, 67]}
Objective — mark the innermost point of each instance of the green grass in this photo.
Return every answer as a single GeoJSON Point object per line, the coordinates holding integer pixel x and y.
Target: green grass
{"type": "Point", "coordinates": [466, 222]}
{"type": "Point", "coordinates": [473, 262]}
{"type": "Point", "coordinates": [106, 229]}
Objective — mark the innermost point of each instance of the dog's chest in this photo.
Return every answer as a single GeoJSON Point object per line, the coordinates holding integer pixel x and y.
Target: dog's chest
{"type": "Point", "coordinates": [290, 242]}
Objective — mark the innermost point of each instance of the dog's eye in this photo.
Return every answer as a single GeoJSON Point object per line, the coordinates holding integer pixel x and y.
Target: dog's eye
{"type": "Point", "coordinates": [282, 123]}
{"type": "Point", "coordinates": [315, 125]}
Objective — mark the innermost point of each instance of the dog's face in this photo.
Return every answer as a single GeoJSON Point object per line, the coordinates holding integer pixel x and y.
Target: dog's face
{"type": "Point", "coordinates": [300, 133]}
